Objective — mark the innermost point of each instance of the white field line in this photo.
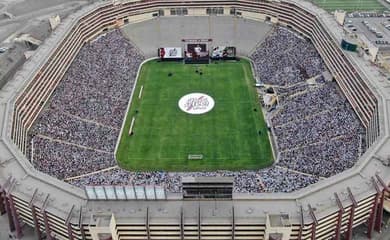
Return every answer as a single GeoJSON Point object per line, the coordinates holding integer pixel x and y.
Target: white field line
{"type": "Point", "coordinates": [129, 104]}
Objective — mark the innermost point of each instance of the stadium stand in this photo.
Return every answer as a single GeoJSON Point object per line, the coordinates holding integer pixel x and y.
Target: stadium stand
{"type": "Point", "coordinates": [315, 128]}
{"type": "Point", "coordinates": [311, 138]}
{"type": "Point", "coordinates": [81, 124]}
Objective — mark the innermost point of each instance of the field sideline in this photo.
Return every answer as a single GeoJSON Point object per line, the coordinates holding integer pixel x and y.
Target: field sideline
{"type": "Point", "coordinates": [350, 5]}
{"type": "Point", "coordinates": [227, 136]}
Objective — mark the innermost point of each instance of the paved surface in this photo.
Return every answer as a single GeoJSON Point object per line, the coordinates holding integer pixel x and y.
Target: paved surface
{"type": "Point", "coordinates": [5, 234]}
{"type": "Point", "coordinates": [377, 23]}
{"type": "Point", "coordinates": [30, 17]}
{"type": "Point", "coordinates": [27, 6]}
{"type": "Point", "coordinates": [23, 13]}
{"type": "Point", "coordinates": [152, 34]}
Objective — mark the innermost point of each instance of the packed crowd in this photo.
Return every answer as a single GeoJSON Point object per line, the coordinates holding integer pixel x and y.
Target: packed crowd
{"type": "Point", "coordinates": [71, 129]}
{"type": "Point", "coordinates": [315, 128]}
{"type": "Point", "coordinates": [77, 131]}
{"type": "Point", "coordinates": [284, 58]}
{"type": "Point", "coordinates": [323, 159]}
{"type": "Point", "coordinates": [63, 160]}
{"type": "Point", "coordinates": [316, 131]}
{"type": "Point", "coordinates": [271, 179]}
{"type": "Point", "coordinates": [307, 101]}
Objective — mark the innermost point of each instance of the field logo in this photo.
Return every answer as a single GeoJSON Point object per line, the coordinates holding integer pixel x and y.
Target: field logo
{"type": "Point", "coordinates": [196, 103]}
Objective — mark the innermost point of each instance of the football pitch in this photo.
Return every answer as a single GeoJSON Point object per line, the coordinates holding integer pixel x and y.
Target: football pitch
{"type": "Point", "coordinates": [232, 136]}
{"type": "Point", "coordinates": [350, 5]}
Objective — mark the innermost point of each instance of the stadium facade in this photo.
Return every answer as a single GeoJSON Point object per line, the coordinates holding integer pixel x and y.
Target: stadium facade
{"type": "Point", "coordinates": [328, 209]}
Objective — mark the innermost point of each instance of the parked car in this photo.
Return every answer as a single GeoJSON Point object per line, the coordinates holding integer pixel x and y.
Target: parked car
{"type": "Point", "coordinates": [379, 35]}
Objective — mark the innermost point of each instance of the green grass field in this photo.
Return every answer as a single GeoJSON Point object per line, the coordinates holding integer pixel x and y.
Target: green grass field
{"type": "Point", "coordinates": [350, 5]}
{"type": "Point", "coordinates": [227, 136]}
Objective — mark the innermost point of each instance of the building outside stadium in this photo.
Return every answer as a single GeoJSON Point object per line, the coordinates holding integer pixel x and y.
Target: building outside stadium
{"type": "Point", "coordinates": [327, 209]}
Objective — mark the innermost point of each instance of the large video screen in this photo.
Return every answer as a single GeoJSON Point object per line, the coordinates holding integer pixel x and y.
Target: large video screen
{"type": "Point", "coordinates": [222, 52]}
{"type": "Point", "coordinates": [197, 50]}
{"type": "Point", "coordinates": [170, 52]}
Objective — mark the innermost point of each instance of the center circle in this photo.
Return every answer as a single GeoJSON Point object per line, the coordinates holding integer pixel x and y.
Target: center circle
{"type": "Point", "coordinates": [196, 103]}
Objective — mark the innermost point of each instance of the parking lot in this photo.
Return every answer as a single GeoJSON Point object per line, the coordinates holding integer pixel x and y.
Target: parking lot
{"type": "Point", "coordinates": [376, 29]}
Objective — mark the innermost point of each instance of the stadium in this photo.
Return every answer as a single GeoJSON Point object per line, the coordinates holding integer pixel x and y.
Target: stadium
{"type": "Point", "coordinates": [195, 120]}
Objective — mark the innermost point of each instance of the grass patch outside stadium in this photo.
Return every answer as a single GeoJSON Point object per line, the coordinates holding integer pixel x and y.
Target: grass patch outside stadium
{"type": "Point", "coordinates": [227, 136]}
{"type": "Point", "coordinates": [350, 5]}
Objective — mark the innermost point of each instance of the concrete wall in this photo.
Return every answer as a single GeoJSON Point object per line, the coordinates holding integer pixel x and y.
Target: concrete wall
{"type": "Point", "coordinates": [243, 33]}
